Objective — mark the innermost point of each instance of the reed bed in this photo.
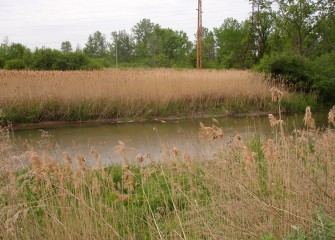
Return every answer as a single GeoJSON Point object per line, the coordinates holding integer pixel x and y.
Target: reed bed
{"type": "Point", "coordinates": [80, 95]}
{"type": "Point", "coordinates": [130, 85]}
{"type": "Point", "coordinates": [258, 188]}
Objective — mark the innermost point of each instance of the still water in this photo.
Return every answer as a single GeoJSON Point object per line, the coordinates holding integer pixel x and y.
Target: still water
{"type": "Point", "coordinates": [150, 137]}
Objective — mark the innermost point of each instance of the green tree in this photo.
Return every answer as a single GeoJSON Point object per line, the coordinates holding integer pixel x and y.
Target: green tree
{"type": "Point", "coordinates": [209, 48]}
{"type": "Point", "coordinates": [300, 18]}
{"type": "Point", "coordinates": [123, 45]}
{"type": "Point", "coordinates": [15, 64]}
{"type": "Point", "coordinates": [261, 25]}
{"type": "Point", "coordinates": [16, 50]}
{"type": "Point", "coordinates": [66, 47]}
{"type": "Point", "coordinates": [326, 35]}
{"type": "Point", "coordinates": [45, 58]}
{"type": "Point", "coordinates": [230, 39]}
{"type": "Point", "coordinates": [4, 47]}
{"type": "Point", "coordinates": [144, 37]}
{"type": "Point", "coordinates": [96, 45]}
{"type": "Point", "coordinates": [173, 47]}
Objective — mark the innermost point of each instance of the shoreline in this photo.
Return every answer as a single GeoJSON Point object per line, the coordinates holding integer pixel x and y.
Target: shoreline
{"type": "Point", "coordinates": [56, 123]}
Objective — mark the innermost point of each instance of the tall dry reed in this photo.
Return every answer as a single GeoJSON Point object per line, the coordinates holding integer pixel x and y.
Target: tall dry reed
{"type": "Point", "coordinates": [129, 85]}
{"type": "Point", "coordinates": [81, 95]}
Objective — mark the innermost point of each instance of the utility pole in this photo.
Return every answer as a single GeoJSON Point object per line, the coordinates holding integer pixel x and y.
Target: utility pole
{"type": "Point", "coordinates": [199, 36]}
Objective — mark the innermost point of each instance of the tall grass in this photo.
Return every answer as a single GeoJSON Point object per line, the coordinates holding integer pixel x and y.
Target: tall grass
{"type": "Point", "coordinates": [258, 188]}
{"type": "Point", "coordinates": [31, 96]}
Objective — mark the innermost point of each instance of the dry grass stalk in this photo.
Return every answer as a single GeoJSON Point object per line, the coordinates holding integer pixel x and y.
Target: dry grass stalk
{"type": "Point", "coordinates": [331, 116]}
{"type": "Point", "coordinates": [120, 149]}
{"type": "Point", "coordinates": [36, 163]}
{"type": "Point", "coordinates": [270, 150]}
{"type": "Point", "coordinates": [128, 179]}
{"type": "Point", "coordinates": [175, 151]}
{"type": "Point", "coordinates": [276, 94]}
{"type": "Point", "coordinates": [309, 121]}
{"type": "Point", "coordinates": [139, 158]}
{"type": "Point", "coordinates": [96, 156]}
{"type": "Point", "coordinates": [273, 121]}
{"type": "Point", "coordinates": [187, 160]}
{"type": "Point", "coordinates": [81, 161]}
{"type": "Point", "coordinates": [210, 132]}
{"type": "Point", "coordinates": [68, 160]}
{"type": "Point", "coordinates": [215, 121]}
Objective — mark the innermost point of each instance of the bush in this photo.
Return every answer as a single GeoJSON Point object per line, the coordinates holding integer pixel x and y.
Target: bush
{"type": "Point", "coordinates": [293, 69]}
{"type": "Point", "coordinates": [2, 63]}
{"type": "Point", "coordinates": [48, 59]}
{"type": "Point", "coordinates": [324, 77]}
{"type": "Point", "coordinates": [92, 65]}
{"type": "Point", "coordinates": [15, 64]}
{"type": "Point", "coordinates": [44, 59]}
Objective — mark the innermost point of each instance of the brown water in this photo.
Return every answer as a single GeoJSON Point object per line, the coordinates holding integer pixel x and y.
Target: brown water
{"type": "Point", "coordinates": [151, 137]}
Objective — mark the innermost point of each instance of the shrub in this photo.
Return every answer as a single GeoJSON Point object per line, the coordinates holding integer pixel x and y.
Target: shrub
{"type": "Point", "coordinates": [293, 69]}
{"type": "Point", "coordinates": [2, 63]}
{"type": "Point", "coordinates": [15, 64]}
{"type": "Point", "coordinates": [44, 59]}
{"type": "Point", "coordinates": [93, 64]}
{"type": "Point", "coordinates": [324, 77]}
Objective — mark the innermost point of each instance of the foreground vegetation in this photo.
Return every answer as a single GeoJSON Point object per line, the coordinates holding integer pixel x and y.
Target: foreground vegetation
{"type": "Point", "coordinates": [35, 96]}
{"type": "Point", "coordinates": [282, 187]}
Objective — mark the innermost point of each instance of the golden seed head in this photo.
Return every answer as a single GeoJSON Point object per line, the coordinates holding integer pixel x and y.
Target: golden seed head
{"type": "Point", "coordinates": [175, 151]}
{"type": "Point", "coordinates": [81, 162]}
{"type": "Point", "coordinates": [139, 158]}
{"type": "Point", "coordinates": [36, 162]}
{"type": "Point", "coordinates": [67, 158]}
{"type": "Point", "coordinates": [120, 149]}
{"type": "Point", "coordinates": [273, 121]}
{"type": "Point", "coordinates": [276, 94]}
{"type": "Point", "coordinates": [210, 132]}
{"type": "Point", "coordinates": [331, 115]}
{"type": "Point", "coordinates": [309, 121]}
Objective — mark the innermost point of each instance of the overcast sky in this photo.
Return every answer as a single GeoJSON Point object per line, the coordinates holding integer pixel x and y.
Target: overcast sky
{"type": "Point", "coordinates": [50, 22]}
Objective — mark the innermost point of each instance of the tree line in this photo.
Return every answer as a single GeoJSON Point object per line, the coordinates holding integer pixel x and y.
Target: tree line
{"type": "Point", "coordinates": [291, 39]}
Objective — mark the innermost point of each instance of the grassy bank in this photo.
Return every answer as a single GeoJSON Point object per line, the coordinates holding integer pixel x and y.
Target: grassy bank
{"type": "Point", "coordinates": [277, 188]}
{"type": "Point", "coordinates": [29, 96]}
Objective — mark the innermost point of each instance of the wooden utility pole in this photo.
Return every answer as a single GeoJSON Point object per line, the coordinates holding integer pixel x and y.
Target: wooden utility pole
{"type": "Point", "coordinates": [199, 36]}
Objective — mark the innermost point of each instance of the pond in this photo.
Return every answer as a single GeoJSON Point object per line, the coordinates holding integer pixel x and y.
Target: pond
{"type": "Point", "coordinates": [152, 137]}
